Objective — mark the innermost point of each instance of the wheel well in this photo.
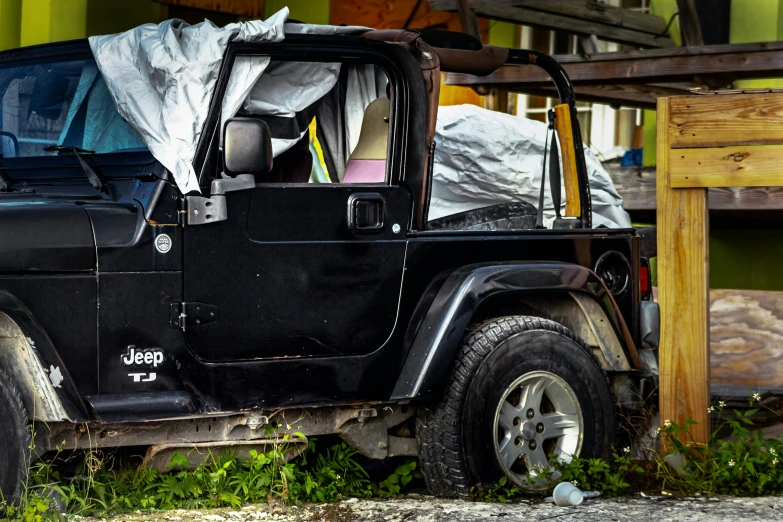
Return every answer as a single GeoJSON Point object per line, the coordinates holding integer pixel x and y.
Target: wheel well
{"type": "Point", "coordinates": [19, 360]}
{"type": "Point", "coordinates": [577, 312]}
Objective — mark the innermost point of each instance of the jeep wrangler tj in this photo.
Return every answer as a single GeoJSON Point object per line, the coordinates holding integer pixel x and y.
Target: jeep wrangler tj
{"type": "Point", "coordinates": [309, 293]}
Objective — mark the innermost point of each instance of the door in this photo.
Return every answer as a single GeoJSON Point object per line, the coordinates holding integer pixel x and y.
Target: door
{"type": "Point", "coordinates": [305, 265]}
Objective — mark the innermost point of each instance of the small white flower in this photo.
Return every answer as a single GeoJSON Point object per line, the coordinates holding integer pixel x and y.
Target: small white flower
{"type": "Point", "coordinates": [627, 450]}
{"type": "Point", "coordinates": [688, 445]}
{"type": "Point", "coordinates": [658, 431]}
{"type": "Point", "coordinates": [772, 451]}
{"type": "Point", "coordinates": [575, 482]}
{"type": "Point", "coordinates": [756, 396]}
{"type": "Point", "coordinates": [731, 463]}
{"type": "Point", "coordinates": [774, 462]}
{"type": "Point", "coordinates": [722, 404]}
{"type": "Point", "coordinates": [667, 423]}
{"type": "Point", "coordinates": [711, 409]}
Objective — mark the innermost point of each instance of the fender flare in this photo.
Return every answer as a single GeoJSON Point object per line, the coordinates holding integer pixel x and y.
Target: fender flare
{"type": "Point", "coordinates": [438, 338]}
{"type": "Point", "coordinates": [42, 348]}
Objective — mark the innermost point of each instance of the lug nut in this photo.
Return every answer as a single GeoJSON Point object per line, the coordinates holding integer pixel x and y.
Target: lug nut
{"type": "Point", "coordinates": [518, 441]}
{"type": "Point", "coordinates": [530, 413]}
{"type": "Point", "coordinates": [517, 421]}
{"type": "Point", "coordinates": [540, 428]}
{"type": "Point", "coordinates": [532, 444]}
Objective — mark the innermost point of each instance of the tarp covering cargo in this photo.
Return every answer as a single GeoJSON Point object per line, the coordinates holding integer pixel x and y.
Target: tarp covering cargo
{"type": "Point", "coordinates": [161, 78]}
{"type": "Point", "coordinates": [484, 158]}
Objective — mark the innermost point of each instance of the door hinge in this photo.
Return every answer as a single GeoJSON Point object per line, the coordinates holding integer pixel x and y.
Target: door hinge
{"type": "Point", "coordinates": [185, 315]}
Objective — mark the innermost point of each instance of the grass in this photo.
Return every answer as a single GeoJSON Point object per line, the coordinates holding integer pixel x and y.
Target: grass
{"type": "Point", "coordinates": [737, 460]}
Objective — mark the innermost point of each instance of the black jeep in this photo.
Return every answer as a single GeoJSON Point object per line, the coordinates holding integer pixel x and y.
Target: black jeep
{"type": "Point", "coordinates": [304, 294]}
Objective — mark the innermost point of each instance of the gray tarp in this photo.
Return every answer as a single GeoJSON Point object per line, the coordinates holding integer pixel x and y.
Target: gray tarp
{"type": "Point", "coordinates": [484, 158]}
{"type": "Point", "coordinates": [161, 78]}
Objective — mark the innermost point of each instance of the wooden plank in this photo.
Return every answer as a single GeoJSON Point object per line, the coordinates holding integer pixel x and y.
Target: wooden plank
{"type": "Point", "coordinates": [641, 96]}
{"type": "Point", "coordinates": [717, 121]}
{"type": "Point", "coordinates": [596, 12]}
{"type": "Point", "coordinates": [636, 185]}
{"type": "Point", "coordinates": [558, 22]}
{"type": "Point", "coordinates": [682, 294]}
{"type": "Point", "coordinates": [249, 8]}
{"type": "Point", "coordinates": [382, 14]}
{"type": "Point", "coordinates": [689, 23]}
{"type": "Point", "coordinates": [467, 19]}
{"type": "Point", "coordinates": [758, 60]}
{"type": "Point", "coordinates": [726, 167]}
{"type": "Point", "coordinates": [746, 327]}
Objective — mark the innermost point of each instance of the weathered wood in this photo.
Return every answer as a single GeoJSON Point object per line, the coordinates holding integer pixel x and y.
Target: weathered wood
{"type": "Point", "coordinates": [549, 20]}
{"type": "Point", "coordinates": [682, 294]}
{"type": "Point", "coordinates": [651, 66]}
{"type": "Point", "coordinates": [636, 185]}
{"type": "Point", "coordinates": [467, 18]}
{"type": "Point", "coordinates": [249, 8]}
{"type": "Point", "coordinates": [689, 23]}
{"type": "Point", "coordinates": [729, 120]}
{"type": "Point", "coordinates": [642, 96]}
{"type": "Point", "coordinates": [726, 167]}
{"type": "Point", "coordinates": [746, 329]}
{"type": "Point", "coordinates": [382, 14]}
{"type": "Point", "coordinates": [595, 11]}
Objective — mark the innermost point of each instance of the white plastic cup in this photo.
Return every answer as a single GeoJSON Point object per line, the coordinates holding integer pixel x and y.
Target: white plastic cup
{"type": "Point", "coordinates": [566, 494]}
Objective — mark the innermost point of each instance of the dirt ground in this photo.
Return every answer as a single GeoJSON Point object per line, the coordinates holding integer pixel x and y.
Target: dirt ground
{"type": "Point", "coordinates": [427, 509]}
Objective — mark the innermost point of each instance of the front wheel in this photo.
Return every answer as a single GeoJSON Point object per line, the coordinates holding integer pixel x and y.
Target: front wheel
{"type": "Point", "coordinates": [523, 391]}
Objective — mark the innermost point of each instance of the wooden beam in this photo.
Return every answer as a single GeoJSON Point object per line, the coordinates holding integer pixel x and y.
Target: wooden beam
{"type": "Point", "coordinates": [249, 8]}
{"type": "Point", "coordinates": [757, 60]}
{"type": "Point", "coordinates": [689, 23]}
{"type": "Point", "coordinates": [595, 11]}
{"type": "Point", "coordinates": [726, 167]}
{"type": "Point", "coordinates": [642, 96]}
{"type": "Point", "coordinates": [468, 19]}
{"type": "Point", "coordinates": [636, 185]}
{"type": "Point", "coordinates": [683, 355]}
{"type": "Point", "coordinates": [726, 120]}
{"type": "Point", "coordinates": [548, 20]}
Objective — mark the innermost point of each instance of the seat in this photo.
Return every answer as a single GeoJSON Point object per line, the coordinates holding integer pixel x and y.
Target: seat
{"type": "Point", "coordinates": [367, 163]}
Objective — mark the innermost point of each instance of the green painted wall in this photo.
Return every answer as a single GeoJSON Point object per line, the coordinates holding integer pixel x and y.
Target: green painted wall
{"type": "Point", "coordinates": [10, 23]}
{"type": "Point", "coordinates": [503, 34]}
{"type": "Point", "coordinates": [756, 21]}
{"type": "Point", "coordinates": [310, 11]}
{"type": "Point", "coordinates": [116, 16]}
{"type": "Point", "coordinates": [53, 20]}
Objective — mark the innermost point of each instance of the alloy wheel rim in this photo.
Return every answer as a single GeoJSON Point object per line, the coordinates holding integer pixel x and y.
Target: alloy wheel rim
{"type": "Point", "coordinates": [538, 416]}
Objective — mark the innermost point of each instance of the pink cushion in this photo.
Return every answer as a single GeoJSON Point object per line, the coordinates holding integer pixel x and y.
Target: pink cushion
{"type": "Point", "coordinates": [365, 171]}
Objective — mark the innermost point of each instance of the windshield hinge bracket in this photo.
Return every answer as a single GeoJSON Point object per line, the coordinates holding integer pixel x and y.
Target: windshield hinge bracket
{"type": "Point", "coordinates": [185, 315]}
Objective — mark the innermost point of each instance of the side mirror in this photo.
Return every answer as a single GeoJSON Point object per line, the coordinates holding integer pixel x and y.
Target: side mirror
{"type": "Point", "coordinates": [247, 147]}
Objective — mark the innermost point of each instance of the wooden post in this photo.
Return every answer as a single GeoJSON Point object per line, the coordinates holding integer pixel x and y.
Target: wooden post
{"type": "Point", "coordinates": [683, 287]}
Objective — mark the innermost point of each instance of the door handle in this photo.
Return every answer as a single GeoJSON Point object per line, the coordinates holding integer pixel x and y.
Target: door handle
{"type": "Point", "coordinates": [366, 213]}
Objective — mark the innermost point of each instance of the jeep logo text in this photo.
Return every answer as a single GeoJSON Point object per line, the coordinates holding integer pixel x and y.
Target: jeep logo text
{"type": "Point", "coordinates": [147, 357]}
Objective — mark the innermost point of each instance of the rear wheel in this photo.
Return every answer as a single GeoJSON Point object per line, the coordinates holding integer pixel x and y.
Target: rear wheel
{"type": "Point", "coordinates": [523, 391]}
{"type": "Point", "coordinates": [14, 441]}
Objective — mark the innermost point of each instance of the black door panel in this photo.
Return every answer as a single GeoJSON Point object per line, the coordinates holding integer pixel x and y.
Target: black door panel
{"type": "Point", "coordinates": [290, 277]}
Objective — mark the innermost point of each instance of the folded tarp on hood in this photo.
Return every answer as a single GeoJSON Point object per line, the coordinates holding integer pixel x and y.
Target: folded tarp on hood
{"type": "Point", "coordinates": [162, 77]}
{"type": "Point", "coordinates": [485, 158]}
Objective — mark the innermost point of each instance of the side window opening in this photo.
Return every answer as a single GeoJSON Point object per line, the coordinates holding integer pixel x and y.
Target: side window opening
{"type": "Point", "coordinates": [329, 121]}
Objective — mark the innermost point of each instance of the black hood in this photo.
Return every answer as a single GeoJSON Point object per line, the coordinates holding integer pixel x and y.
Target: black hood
{"type": "Point", "coordinates": [40, 235]}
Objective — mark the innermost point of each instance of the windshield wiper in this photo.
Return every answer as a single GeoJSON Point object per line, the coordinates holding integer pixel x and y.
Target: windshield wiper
{"type": "Point", "coordinates": [67, 148]}
{"type": "Point", "coordinates": [92, 177]}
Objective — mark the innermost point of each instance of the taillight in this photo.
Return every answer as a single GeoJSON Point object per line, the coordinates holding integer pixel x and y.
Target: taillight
{"type": "Point", "coordinates": [645, 281]}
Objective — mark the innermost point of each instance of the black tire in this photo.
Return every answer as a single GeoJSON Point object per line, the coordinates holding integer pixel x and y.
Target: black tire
{"type": "Point", "coordinates": [456, 437]}
{"type": "Point", "coordinates": [14, 441]}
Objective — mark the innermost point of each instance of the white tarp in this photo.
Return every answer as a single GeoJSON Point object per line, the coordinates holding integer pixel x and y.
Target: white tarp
{"type": "Point", "coordinates": [162, 77]}
{"type": "Point", "coordinates": [485, 158]}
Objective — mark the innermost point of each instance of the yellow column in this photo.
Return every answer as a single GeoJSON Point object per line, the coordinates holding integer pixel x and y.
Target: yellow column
{"type": "Point", "coordinates": [10, 23]}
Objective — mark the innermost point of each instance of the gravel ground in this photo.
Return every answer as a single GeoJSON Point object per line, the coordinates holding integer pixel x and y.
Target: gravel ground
{"type": "Point", "coordinates": [425, 509]}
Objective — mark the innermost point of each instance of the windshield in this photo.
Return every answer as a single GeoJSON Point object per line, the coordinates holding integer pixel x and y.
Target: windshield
{"type": "Point", "coordinates": [51, 107]}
